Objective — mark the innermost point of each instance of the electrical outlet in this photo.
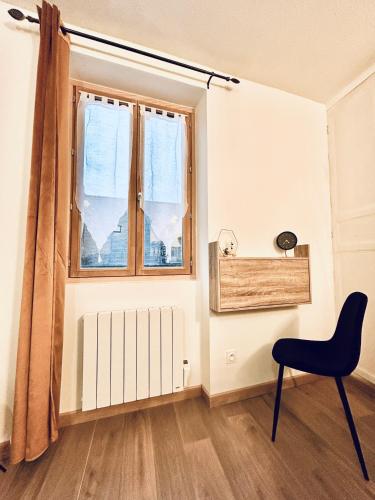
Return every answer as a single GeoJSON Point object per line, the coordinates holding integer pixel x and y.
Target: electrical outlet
{"type": "Point", "coordinates": [230, 356]}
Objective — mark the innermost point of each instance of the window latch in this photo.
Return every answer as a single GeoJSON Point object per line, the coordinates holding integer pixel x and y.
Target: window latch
{"type": "Point", "coordinates": [139, 198]}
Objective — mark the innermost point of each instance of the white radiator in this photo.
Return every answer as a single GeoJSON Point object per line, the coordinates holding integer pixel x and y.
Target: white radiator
{"type": "Point", "coordinates": [131, 355]}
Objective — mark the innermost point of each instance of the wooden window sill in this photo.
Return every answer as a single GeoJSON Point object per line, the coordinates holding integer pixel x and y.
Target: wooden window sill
{"type": "Point", "coordinates": [104, 279]}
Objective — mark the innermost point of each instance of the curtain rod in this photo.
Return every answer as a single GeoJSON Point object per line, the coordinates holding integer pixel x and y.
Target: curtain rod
{"type": "Point", "coordinates": [19, 16]}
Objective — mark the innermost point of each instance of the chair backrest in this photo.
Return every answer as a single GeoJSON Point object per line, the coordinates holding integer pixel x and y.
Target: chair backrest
{"type": "Point", "coordinates": [347, 336]}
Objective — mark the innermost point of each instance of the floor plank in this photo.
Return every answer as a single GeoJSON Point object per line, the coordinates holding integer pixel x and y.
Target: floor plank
{"type": "Point", "coordinates": [307, 454]}
{"type": "Point", "coordinates": [330, 426]}
{"type": "Point", "coordinates": [275, 479]}
{"type": "Point", "coordinates": [55, 475]}
{"type": "Point", "coordinates": [328, 420]}
{"type": "Point", "coordinates": [325, 392]}
{"type": "Point", "coordinates": [171, 465]}
{"type": "Point", "coordinates": [201, 454]}
{"type": "Point", "coordinates": [138, 479]}
{"type": "Point", "coordinates": [235, 454]}
{"type": "Point", "coordinates": [67, 468]}
{"type": "Point", "coordinates": [301, 461]}
{"type": "Point", "coordinates": [102, 477]}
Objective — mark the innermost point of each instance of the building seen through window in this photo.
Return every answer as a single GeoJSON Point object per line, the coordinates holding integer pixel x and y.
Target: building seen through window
{"type": "Point", "coordinates": [114, 252]}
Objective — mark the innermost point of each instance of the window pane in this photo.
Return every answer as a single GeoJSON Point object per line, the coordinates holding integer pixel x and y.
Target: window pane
{"type": "Point", "coordinates": [162, 250]}
{"type": "Point", "coordinates": [164, 174]}
{"type": "Point", "coordinates": [103, 181]}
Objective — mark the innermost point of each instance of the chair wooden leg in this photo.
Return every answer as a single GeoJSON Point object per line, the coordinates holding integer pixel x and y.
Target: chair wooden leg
{"type": "Point", "coordinates": [349, 417]}
{"type": "Point", "coordinates": [277, 401]}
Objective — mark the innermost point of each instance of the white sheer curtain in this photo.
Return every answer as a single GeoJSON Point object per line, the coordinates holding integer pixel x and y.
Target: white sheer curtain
{"type": "Point", "coordinates": [164, 172]}
{"type": "Point", "coordinates": [104, 138]}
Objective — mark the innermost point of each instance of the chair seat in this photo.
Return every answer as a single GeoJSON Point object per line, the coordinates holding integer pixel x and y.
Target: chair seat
{"type": "Point", "coordinates": [318, 357]}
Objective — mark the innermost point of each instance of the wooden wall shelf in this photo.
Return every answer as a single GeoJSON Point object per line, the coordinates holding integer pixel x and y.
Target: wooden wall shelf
{"type": "Point", "coordinates": [243, 283]}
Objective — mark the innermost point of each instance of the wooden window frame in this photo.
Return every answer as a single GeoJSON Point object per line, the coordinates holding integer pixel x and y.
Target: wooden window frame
{"type": "Point", "coordinates": [135, 213]}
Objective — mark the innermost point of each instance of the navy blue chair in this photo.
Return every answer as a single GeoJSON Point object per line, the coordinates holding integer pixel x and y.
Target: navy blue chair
{"type": "Point", "coordinates": [336, 357]}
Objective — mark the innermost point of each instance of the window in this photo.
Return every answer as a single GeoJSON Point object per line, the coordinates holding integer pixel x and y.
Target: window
{"type": "Point", "coordinates": [131, 210]}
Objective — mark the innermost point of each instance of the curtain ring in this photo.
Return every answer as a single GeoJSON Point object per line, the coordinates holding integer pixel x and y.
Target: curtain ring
{"type": "Point", "coordinates": [209, 80]}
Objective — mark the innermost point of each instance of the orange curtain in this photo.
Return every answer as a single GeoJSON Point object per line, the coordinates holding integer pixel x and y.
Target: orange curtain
{"type": "Point", "coordinates": [38, 376]}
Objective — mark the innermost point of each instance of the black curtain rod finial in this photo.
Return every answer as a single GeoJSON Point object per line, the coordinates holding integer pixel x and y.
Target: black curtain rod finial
{"type": "Point", "coordinates": [20, 16]}
{"type": "Point", "coordinates": [235, 80]}
{"type": "Point", "coordinates": [16, 14]}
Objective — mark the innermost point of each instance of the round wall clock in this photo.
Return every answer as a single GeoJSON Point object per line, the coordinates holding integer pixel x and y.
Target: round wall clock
{"type": "Point", "coordinates": [286, 240]}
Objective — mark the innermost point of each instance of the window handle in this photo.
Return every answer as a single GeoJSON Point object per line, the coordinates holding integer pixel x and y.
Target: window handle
{"type": "Point", "coordinates": [139, 198]}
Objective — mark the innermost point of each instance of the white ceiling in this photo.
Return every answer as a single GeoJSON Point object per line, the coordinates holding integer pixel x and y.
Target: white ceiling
{"type": "Point", "coordinates": [309, 47]}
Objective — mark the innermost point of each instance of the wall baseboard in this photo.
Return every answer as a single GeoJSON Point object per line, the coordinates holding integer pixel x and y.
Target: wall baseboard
{"type": "Point", "coordinates": [79, 416]}
{"type": "Point", "coordinates": [363, 383]}
{"type": "Point", "coordinates": [365, 374]}
{"type": "Point", "coordinates": [4, 451]}
{"type": "Point", "coordinates": [253, 391]}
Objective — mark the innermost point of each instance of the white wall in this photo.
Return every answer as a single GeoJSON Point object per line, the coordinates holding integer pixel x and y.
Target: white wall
{"type": "Point", "coordinates": [268, 172]}
{"type": "Point", "coordinates": [18, 55]}
{"type": "Point", "coordinates": [352, 160]}
{"type": "Point", "coordinates": [262, 168]}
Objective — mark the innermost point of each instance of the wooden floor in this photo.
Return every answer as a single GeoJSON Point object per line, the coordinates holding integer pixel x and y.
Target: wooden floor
{"type": "Point", "coordinates": [187, 451]}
